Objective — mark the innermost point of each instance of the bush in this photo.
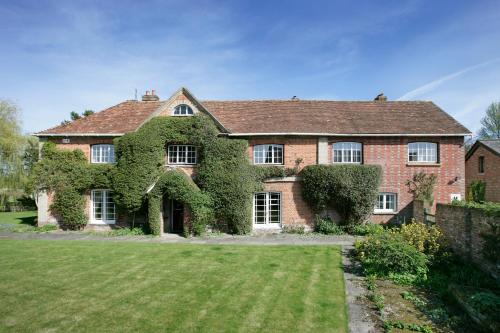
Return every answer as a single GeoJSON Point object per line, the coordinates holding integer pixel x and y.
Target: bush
{"type": "Point", "coordinates": [293, 229]}
{"type": "Point", "coordinates": [327, 226]}
{"type": "Point", "coordinates": [426, 239]}
{"type": "Point", "coordinates": [389, 253]}
{"type": "Point", "coordinates": [476, 191]}
{"type": "Point", "coordinates": [350, 189]}
{"type": "Point", "coordinates": [70, 205]}
{"type": "Point", "coordinates": [486, 303]}
{"type": "Point", "coordinates": [366, 229]}
{"type": "Point", "coordinates": [489, 208]}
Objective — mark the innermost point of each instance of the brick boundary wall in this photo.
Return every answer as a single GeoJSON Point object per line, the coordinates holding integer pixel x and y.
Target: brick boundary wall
{"type": "Point", "coordinates": [462, 227]}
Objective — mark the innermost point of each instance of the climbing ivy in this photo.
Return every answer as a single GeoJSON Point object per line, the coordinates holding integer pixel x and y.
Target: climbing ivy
{"type": "Point", "coordinates": [350, 189]}
{"type": "Point", "coordinates": [220, 195]}
{"type": "Point", "coordinates": [67, 174]}
{"type": "Point", "coordinates": [225, 178]}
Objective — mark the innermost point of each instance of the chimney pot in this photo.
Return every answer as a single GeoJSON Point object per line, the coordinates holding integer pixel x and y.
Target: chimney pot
{"type": "Point", "coordinates": [150, 96]}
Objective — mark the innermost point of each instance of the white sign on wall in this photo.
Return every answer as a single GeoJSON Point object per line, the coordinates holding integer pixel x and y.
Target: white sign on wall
{"type": "Point", "coordinates": [456, 196]}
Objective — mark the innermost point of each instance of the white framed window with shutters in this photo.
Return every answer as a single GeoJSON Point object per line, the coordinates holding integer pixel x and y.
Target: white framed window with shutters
{"type": "Point", "coordinates": [182, 154]}
{"type": "Point", "coordinates": [103, 207]}
{"type": "Point", "coordinates": [386, 203]}
{"type": "Point", "coordinates": [268, 154]}
{"type": "Point", "coordinates": [267, 209]}
{"type": "Point", "coordinates": [348, 152]}
{"type": "Point", "coordinates": [423, 152]}
{"type": "Point", "coordinates": [102, 153]}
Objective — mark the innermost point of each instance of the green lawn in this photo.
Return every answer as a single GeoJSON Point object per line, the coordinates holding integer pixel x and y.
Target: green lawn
{"type": "Point", "coordinates": [27, 218]}
{"type": "Point", "coordinates": [65, 286]}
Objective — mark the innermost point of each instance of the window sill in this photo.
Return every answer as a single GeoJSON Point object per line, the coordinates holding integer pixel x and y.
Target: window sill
{"type": "Point", "coordinates": [181, 165]}
{"type": "Point", "coordinates": [385, 213]}
{"type": "Point", "coordinates": [422, 164]}
{"type": "Point", "coordinates": [267, 226]}
{"type": "Point", "coordinates": [102, 222]}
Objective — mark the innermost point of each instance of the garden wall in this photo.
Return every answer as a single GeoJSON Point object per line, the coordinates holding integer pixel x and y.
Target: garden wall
{"type": "Point", "coordinates": [463, 227]}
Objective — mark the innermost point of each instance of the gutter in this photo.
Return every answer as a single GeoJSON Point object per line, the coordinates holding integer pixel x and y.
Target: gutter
{"type": "Point", "coordinates": [342, 134]}
{"type": "Point", "coordinates": [77, 134]}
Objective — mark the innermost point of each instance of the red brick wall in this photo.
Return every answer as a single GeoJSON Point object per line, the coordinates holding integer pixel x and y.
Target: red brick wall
{"type": "Point", "coordinates": [82, 143]}
{"type": "Point", "coordinates": [293, 208]}
{"type": "Point", "coordinates": [491, 173]}
{"type": "Point", "coordinates": [294, 148]}
{"type": "Point", "coordinates": [392, 155]}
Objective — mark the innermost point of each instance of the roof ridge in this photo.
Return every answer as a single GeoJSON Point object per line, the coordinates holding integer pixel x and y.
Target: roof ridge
{"type": "Point", "coordinates": [310, 100]}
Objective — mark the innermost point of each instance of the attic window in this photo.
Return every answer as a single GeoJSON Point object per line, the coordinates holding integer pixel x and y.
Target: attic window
{"type": "Point", "coordinates": [183, 110]}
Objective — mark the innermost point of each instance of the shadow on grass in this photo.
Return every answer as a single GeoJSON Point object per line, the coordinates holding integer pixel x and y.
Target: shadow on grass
{"type": "Point", "coordinates": [28, 220]}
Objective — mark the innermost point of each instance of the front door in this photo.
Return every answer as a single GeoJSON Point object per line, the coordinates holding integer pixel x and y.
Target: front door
{"type": "Point", "coordinates": [177, 219]}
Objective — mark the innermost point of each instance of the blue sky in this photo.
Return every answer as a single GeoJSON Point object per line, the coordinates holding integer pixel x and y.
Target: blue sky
{"type": "Point", "coordinates": [63, 56]}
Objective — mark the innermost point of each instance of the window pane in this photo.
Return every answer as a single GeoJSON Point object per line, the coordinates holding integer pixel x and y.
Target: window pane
{"type": "Point", "coordinates": [268, 154]}
{"type": "Point", "coordinates": [260, 208]}
{"type": "Point", "coordinates": [110, 206]}
{"type": "Point", "coordinates": [97, 198]}
{"type": "Point", "coordinates": [347, 152]}
{"type": "Point", "coordinates": [422, 152]}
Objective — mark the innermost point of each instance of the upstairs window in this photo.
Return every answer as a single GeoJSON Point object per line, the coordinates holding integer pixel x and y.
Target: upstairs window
{"type": "Point", "coordinates": [347, 152]}
{"type": "Point", "coordinates": [268, 154]}
{"type": "Point", "coordinates": [481, 164]}
{"type": "Point", "coordinates": [183, 110]}
{"type": "Point", "coordinates": [103, 154]}
{"type": "Point", "coordinates": [423, 152]}
{"type": "Point", "coordinates": [182, 154]}
{"type": "Point", "coordinates": [386, 203]}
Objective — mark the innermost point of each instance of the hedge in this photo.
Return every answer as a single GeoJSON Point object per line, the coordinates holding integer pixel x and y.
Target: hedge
{"type": "Point", "coordinates": [350, 189]}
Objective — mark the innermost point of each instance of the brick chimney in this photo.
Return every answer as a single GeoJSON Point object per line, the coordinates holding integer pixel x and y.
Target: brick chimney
{"type": "Point", "coordinates": [150, 96]}
{"type": "Point", "coordinates": [381, 97]}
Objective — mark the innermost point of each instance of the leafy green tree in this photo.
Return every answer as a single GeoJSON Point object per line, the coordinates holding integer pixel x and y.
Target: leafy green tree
{"type": "Point", "coordinates": [75, 116]}
{"type": "Point", "coordinates": [491, 122]}
{"type": "Point", "coordinates": [14, 146]}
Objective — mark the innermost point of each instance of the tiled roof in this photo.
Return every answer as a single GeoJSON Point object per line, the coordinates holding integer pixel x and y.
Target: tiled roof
{"type": "Point", "coordinates": [334, 117]}
{"type": "Point", "coordinates": [284, 116]}
{"type": "Point", "coordinates": [116, 120]}
{"type": "Point", "coordinates": [492, 144]}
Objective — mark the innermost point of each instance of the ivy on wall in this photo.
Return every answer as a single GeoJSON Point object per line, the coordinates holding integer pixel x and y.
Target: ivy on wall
{"type": "Point", "coordinates": [67, 174]}
{"type": "Point", "coordinates": [350, 189]}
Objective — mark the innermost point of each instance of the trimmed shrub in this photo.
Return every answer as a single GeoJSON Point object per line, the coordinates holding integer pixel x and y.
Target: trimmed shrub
{"type": "Point", "coordinates": [228, 177]}
{"type": "Point", "coordinates": [327, 226]}
{"type": "Point", "coordinates": [70, 205]}
{"type": "Point", "coordinates": [350, 189]}
{"type": "Point", "coordinates": [389, 254]}
{"type": "Point", "coordinates": [366, 229]}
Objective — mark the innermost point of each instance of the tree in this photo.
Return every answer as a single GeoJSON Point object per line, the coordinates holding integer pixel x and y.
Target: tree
{"type": "Point", "coordinates": [75, 116]}
{"type": "Point", "coordinates": [491, 122]}
{"type": "Point", "coordinates": [13, 171]}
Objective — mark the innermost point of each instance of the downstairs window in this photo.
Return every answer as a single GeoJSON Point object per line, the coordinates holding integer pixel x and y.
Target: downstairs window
{"type": "Point", "coordinates": [386, 203]}
{"type": "Point", "coordinates": [103, 207]}
{"type": "Point", "coordinates": [267, 209]}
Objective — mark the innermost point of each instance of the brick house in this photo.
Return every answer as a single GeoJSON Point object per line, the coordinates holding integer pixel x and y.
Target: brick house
{"type": "Point", "coordinates": [403, 137]}
{"type": "Point", "coordinates": [482, 162]}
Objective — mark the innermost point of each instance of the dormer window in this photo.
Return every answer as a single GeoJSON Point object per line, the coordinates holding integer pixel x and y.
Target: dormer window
{"type": "Point", "coordinates": [183, 110]}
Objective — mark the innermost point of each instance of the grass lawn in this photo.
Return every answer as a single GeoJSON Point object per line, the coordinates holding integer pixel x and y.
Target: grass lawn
{"type": "Point", "coordinates": [79, 286]}
{"type": "Point", "coordinates": [27, 217]}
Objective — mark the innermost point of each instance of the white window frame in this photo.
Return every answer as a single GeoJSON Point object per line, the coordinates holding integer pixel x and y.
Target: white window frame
{"type": "Point", "coordinates": [184, 110]}
{"type": "Point", "coordinates": [267, 224]}
{"type": "Point", "coordinates": [97, 153]}
{"type": "Point", "coordinates": [427, 152]}
{"type": "Point", "coordinates": [351, 147]}
{"type": "Point", "coordinates": [274, 155]}
{"type": "Point", "coordinates": [177, 149]}
{"type": "Point", "coordinates": [384, 202]}
{"type": "Point", "coordinates": [105, 195]}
